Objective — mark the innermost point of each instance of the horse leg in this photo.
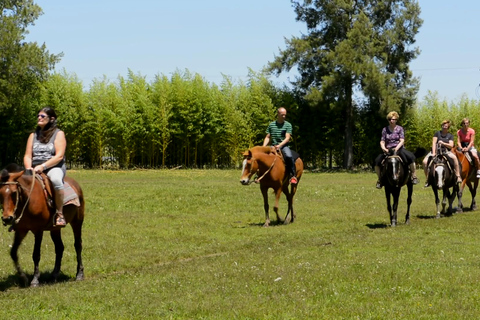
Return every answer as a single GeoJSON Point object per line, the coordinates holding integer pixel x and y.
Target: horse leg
{"type": "Point", "coordinates": [446, 195]}
{"type": "Point", "coordinates": [290, 203]}
{"type": "Point", "coordinates": [473, 206]}
{"type": "Point", "coordinates": [389, 206]}
{"type": "Point", "coordinates": [56, 236]}
{"type": "Point", "coordinates": [19, 236]}
{"type": "Point", "coordinates": [36, 258]}
{"type": "Point", "coordinates": [289, 217]}
{"type": "Point", "coordinates": [437, 200]}
{"type": "Point", "coordinates": [409, 200]}
{"type": "Point", "coordinates": [265, 205]}
{"type": "Point", "coordinates": [278, 193]}
{"type": "Point", "coordinates": [77, 233]}
{"type": "Point", "coordinates": [459, 195]}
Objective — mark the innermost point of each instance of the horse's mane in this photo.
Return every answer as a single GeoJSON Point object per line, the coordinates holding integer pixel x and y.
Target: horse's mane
{"type": "Point", "coordinates": [11, 168]}
{"type": "Point", "coordinates": [261, 149]}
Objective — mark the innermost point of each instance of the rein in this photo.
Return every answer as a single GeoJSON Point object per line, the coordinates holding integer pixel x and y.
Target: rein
{"type": "Point", "coordinates": [16, 221]}
{"type": "Point", "coordinates": [263, 175]}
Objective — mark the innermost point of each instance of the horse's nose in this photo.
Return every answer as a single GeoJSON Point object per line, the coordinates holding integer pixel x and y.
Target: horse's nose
{"type": "Point", "coordinates": [7, 220]}
{"type": "Point", "coordinates": [244, 181]}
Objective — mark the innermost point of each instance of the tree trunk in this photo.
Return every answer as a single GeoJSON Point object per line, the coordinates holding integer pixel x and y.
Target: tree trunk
{"type": "Point", "coordinates": [348, 150]}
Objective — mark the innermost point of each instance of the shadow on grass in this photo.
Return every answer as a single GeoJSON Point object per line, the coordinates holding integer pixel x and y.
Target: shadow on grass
{"type": "Point", "coordinates": [13, 281]}
{"type": "Point", "coordinates": [377, 225]}
{"type": "Point", "coordinates": [273, 223]}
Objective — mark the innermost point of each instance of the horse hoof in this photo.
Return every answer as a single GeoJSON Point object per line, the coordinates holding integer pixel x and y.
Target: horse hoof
{"type": "Point", "coordinates": [34, 284]}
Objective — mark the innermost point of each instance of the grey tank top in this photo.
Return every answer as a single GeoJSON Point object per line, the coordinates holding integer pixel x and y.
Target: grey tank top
{"type": "Point", "coordinates": [45, 151]}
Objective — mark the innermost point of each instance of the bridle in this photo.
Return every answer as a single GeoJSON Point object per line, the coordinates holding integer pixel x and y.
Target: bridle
{"type": "Point", "coordinates": [257, 180]}
{"type": "Point", "coordinates": [19, 186]}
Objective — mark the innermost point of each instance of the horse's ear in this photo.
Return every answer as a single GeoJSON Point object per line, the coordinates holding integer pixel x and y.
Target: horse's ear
{"type": "Point", "coordinates": [16, 175]}
{"type": "Point", "coordinates": [246, 153]}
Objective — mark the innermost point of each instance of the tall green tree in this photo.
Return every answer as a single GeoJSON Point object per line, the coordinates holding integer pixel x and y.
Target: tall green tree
{"type": "Point", "coordinates": [355, 54]}
{"type": "Point", "coordinates": [23, 68]}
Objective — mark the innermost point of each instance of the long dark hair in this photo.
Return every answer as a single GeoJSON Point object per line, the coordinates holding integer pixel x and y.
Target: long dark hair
{"type": "Point", "coordinates": [44, 135]}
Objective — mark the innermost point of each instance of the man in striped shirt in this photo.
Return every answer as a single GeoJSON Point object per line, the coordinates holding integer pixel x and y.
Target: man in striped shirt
{"type": "Point", "coordinates": [279, 133]}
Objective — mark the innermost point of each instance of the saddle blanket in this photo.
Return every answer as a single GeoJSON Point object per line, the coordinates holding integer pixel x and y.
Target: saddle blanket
{"type": "Point", "coordinates": [70, 197]}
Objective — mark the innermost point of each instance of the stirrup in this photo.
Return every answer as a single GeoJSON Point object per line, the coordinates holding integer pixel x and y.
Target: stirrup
{"type": "Point", "coordinates": [59, 220]}
{"type": "Point", "coordinates": [379, 184]}
{"type": "Point", "coordinates": [415, 180]}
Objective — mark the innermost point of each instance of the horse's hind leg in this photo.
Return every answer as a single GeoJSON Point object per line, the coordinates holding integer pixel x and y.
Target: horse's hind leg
{"type": "Point", "coordinates": [290, 196]}
{"type": "Point", "coordinates": [409, 201]}
{"type": "Point", "coordinates": [77, 233]}
{"type": "Point", "coordinates": [36, 258]}
{"type": "Point", "coordinates": [56, 236]}
{"type": "Point", "coordinates": [19, 236]}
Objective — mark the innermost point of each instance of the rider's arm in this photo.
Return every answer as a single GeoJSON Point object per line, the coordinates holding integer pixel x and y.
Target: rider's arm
{"type": "Point", "coordinates": [434, 145]}
{"type": "Point", "coordinates": [382, 145]}
{"type": "Point", "coordinates": [266, 141]}
{"type": "Point", "coordinates": [472, 140]}
{"type": "Point", "coordinates": [27, 158]}
{"type": "Point", "coordinates": [399, 145]}
{"type": "Point", "coordinates": [284, 141]}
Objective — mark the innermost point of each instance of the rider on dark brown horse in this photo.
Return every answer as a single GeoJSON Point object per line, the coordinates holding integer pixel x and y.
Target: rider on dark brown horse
{"type": "Point", "coordinates": [466, 140]}
{"type": "Point", "coordinates": [444, 139]}
{"type": "Point", "coordinates": [393, 137]}
{"type": "Point", "coordinates": [45, 153]}
{"type": "Point", "coordinates": [279, 133]}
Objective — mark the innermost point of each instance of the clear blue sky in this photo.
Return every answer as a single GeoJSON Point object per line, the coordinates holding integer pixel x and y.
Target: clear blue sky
{"type": "Point", "coordinates": [215, 37]}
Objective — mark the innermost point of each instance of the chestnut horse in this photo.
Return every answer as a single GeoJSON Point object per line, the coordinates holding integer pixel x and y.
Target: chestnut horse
{"type": "Point", "coordinates": [469, 177]}
{"type": "Point", "coordinates": [270, 169]}
{"type": "Point", "coordinates": [25, 208]}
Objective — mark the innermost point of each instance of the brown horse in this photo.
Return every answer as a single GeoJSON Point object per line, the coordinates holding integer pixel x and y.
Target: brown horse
{"type": "Point", "coordinates": [469, 177]}
{"type": "Point", "coordinates": [268, 165]}
{"type": "Point", "coordinates": [25, 208]}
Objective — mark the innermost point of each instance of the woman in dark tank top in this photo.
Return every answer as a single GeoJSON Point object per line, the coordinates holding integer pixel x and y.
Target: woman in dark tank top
{"type": "Point", "coordinates": [45, 152]}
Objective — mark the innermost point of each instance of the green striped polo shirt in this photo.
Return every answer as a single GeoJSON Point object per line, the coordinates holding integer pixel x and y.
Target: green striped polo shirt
{"type": "Point", "coordinates": [278, 131]}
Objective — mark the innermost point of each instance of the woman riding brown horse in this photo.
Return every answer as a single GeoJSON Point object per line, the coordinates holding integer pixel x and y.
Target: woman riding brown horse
{"type": "Point", "coordinates": [268, 165]}
{"type": "Point", "coordinates": [25, 209]}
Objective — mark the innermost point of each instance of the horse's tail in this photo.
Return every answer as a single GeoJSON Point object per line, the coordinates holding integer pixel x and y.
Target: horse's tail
{"type": "Point", "coordinates": [420, 152]}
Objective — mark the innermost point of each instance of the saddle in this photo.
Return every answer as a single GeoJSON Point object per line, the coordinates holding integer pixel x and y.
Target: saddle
{"type": "Point", "coordinates": [70, 196]}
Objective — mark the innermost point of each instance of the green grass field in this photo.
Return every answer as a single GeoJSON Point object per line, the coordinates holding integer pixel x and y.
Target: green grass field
{"type": "Point", "coordinates": [189, 244]}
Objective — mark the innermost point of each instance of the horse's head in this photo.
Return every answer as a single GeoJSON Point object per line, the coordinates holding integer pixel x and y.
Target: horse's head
{"type": "Point", "coordinates": [10, 190]}
{"type": "Point", "coordinates": [249, 167]}
{"type": "Point", "coordinates": [394, 170]}
{"type": "Point", "coordinates": [440, 171]}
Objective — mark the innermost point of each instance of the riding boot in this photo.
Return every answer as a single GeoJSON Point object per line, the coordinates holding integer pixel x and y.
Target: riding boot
{"type": "Point", "coordinates": [379, 181]}
{"type": "Point", "coordinates": [59, 218]}
{"type": "Point", "coordinates": [413, 173]}
{"type": "Point", "coordinates": [293, 173]}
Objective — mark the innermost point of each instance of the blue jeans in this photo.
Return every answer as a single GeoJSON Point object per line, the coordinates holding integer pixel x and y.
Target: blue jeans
{"type": "Point", "coordinates": [287, 155]}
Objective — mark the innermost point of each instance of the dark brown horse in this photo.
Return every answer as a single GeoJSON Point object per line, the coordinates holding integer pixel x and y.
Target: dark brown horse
{"type": "Point", "coordinates": [25, 209]}
{"type": "Point", "coordinates": [441, 176]}
{"type": "Point", "coordinates": [469, 178]}
{"type": "Point", "coordinates": [395, 176]}
{"type": "Point", "coordinates": [269, 167]}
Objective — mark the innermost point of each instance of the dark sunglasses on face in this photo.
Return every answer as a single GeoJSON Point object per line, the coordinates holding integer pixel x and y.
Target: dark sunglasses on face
{"type": "Point", "coordinates": [41, 116]}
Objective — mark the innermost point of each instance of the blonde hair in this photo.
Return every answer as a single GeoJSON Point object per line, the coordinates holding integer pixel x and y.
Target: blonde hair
{"type": "Point", "coordinates": [465, 120]}
{"type": "Point", "coordinates": [392, 114]}
{"type": "Point", "coordinates": [447, 121]}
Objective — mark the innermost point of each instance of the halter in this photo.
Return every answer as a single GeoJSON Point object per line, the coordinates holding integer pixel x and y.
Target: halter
{"type": "Point", "coordinates": [16, 221]}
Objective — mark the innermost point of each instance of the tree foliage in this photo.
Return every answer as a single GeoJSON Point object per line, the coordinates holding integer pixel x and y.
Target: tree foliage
{"type": "Point", "coordinates": [23, 68]}
{"type": "Point", "coordinates": [353, 49]}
